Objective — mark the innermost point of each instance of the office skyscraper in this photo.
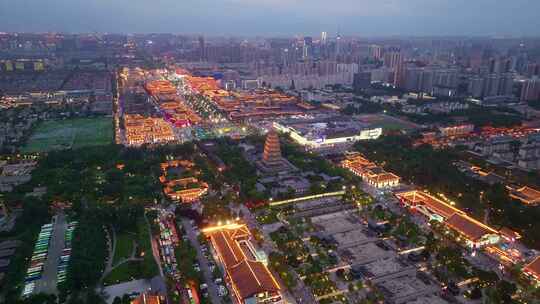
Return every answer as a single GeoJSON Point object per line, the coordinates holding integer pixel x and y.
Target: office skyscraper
{"type": "Point", "coordinates": [324, 36]}
{"type": "Point", "coordinates": [338, 45]}
{"type": "Point", "coordinates": [202, 48]}
{"type": "Point", "coordinates": [531, 90]}
{"type": "Point", "coordinates": [393, 59]}
{"type": "Point", "coordinates": [375, 52]}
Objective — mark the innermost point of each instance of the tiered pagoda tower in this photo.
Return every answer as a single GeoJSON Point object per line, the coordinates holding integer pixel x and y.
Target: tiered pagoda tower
{"type": "Point", "coordinates": [271, 161]}
{"type": "Point", "coordinates": [272, 150]}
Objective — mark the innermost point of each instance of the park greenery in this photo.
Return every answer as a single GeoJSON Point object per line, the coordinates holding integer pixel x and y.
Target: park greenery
{"type": "Point", "coordinates": [106, 189]}
{"type": "Point", "coordinates": [476, 115]}
{"type": "Point", "coordinates": [308, 161]}
{"type": "Point", "coordinates": [88, 253]}
{"type": "Point", "coordinates": [363, 106]}
{"type": "Point", "coordinates": [239, 171]}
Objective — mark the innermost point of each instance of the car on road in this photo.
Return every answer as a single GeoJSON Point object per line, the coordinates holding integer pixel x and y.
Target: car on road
{"type": "Point", "coordinates": [33, 277]}
{"type": "Point", "coordinates": [204, 290]}
{"type": "Point", "coordinates": [39, 256]}
{"type": "Point", "coordinates": [222, 291]}
{"type": "Point", "coordinates": [29, 288]}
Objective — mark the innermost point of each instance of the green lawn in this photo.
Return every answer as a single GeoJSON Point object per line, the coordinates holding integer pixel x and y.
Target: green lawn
{"type": "Point", "coordinates": [124, 247]}
{"type": "Point", "coordinates": [70, 133]}
{"type": "Point", "coordinates": [145, 268]}
{"type": "Point", "coordinates": [149, 266]}
{"type": "Point", "coordinates": [124, 273]}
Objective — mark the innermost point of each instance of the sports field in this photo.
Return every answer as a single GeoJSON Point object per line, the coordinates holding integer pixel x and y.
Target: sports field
{"type": "Point", "coordinates": [70, 133]}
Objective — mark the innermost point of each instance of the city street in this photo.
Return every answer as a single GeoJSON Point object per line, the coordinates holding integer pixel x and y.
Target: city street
{"type": "Point", "coordinates": [203, 262]}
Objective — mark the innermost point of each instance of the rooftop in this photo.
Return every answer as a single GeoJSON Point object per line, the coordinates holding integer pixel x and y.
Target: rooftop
{"type": "Point", "coordinates": [248, 276]}
{"type": "Point", "coordinates": [147, 299]}
{"type": "Point", "coordinates": [416, 198]}
{"type": "Point", "coordinates": [469, 227]}
{"type": "Point", "coordinates": [533, 268]}
{"type": "Point", "coordinates": [251, 278]}
{"type": "Point", "coordinates": [526, 194]}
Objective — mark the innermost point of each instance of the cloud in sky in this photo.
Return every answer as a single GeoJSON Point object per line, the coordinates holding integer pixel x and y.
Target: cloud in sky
{"type": "Point", "coordinates": [268, 17]}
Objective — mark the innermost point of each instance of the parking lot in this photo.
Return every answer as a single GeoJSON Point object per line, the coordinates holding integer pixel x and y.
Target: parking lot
{"type": "Point", "coordinates": [204, 265]}
{"type": "Point", "coordinates": [41, 276]}
{"type": "Point", "coordinates": [48, 282]}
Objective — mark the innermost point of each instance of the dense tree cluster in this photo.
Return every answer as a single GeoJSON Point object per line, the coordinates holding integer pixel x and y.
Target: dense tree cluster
{"type": "Point", "coordinates": [107, 188]}
{"type": "Point", "coordinates": [239, 171]}
{"type": "Point", "coordinates": [479, 116]}
{"type": "Point", "coordinates": [89, 250]}
{"type": "Point", "coordinates": [435, 170]}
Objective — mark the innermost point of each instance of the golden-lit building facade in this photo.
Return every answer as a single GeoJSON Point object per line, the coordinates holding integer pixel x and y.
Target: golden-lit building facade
{"type": "Point", "coordinates": [370, 172]}
{"type": "Point", "coordinates": [244, 266]}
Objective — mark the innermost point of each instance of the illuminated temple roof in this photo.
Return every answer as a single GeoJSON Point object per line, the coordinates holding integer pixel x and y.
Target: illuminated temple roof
{"type": "Point", "coordinates": [527, 195]}
{"type": "Point", "coordinates": [469, 227]}
{"type": "Point", "coordinates": [248, 276]}
{"type": "Point", "coordinates": [432, 203]}
{"type": "Point", "coordinates": [252, 278]}
{"type": "Point", "coordinates": [534, 268]}
{"type": "Point", "coordinates": [146, 299]}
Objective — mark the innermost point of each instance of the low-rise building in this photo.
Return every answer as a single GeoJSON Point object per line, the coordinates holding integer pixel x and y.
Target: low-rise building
{"type": "Point", "coordinates": [369, 172]}
{"type": "Point", "coordinates": [244, 265]}
{"type": "Point", "coordinates": [181, 186]}
{"type": "Point", "coordinates": [428, 205]}
{"type": "Point", "coordinates": [456, 130]}
{"type": "Point", "coordinates": [147, 299]}
{"type": "Point", "coordinates": [141, 130]}
{"type": "Point", "coordinates": [328, 136]}
{"type": "Point", "coordinates": [12, 175]}
{"type": "Point", "coordinates": [532, 271]}
{"type": "Point", "coordinates": [475, 233]}
{"type": "Point", "coordinates": [526, 195]}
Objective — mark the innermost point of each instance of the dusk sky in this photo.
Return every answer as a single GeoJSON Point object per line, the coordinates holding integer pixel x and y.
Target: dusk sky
{"type": "Point", "coordinates": [275, 17]}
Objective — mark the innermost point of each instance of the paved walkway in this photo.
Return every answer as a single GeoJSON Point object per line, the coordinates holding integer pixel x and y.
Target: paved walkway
{"type": "Point", "coordinates": [112, 249]}
{"type": "Point", "coordinates": [118, 290]}
{"type": "Point", "coordinates": [155, 247]}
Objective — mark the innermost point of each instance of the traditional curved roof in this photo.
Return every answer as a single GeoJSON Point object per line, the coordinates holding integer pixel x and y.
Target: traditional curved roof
{"type": "Point", "coordinates": [250, 278]}
{"type": "Point", "coordinates": [469, 227]}
{"type": "Point", "coordinates": [533, 268]}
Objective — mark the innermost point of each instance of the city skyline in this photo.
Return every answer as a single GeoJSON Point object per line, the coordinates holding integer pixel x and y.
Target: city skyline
{"type": "Point", "coordinates": [269, 151]}
{"type": "Point", "coordinates": [230, 17]}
